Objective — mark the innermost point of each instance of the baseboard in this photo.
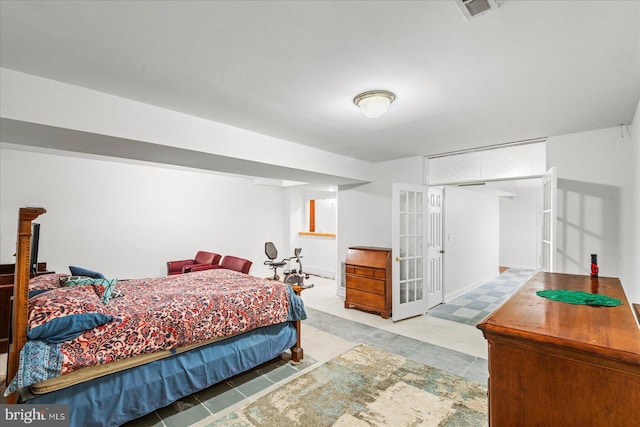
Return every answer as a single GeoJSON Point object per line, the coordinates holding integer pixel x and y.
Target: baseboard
{"type": "Point", "coordinates": [522, 267]}
{"type": "Point", "coordinates": [456, 294]}
{"type": "Point", "coordinates": [320, 272]}
{"type": "Point", "coordinates": [265, 274]}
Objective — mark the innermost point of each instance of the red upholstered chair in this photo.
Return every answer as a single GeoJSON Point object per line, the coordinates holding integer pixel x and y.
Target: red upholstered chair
{"type": "Point", "coordinates": [230, 263]}
{"type": "Point", "coordinates": [234, 263]}
{"type": "Point", "coordinates": [202, 258]}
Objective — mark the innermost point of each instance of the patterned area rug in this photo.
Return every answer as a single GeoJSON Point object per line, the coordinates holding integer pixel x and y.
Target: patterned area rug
{"type": "Point", "coordinates": [368, 387]}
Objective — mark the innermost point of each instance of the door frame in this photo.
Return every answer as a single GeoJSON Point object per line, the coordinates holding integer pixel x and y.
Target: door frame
{"type": "Point", "coordinates": [429, 273]}
{"type": "Point", "coordinates": [553, 170]}
{"type": "Point", "coordinates": [549, 220]}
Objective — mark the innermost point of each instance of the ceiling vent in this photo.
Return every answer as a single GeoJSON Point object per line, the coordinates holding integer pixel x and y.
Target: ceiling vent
{"type": "Point", "coordinates": [473, 8]}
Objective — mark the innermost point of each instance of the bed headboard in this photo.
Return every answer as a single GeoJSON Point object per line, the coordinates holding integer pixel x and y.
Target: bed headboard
{"type": "Point", "coordinates": [21, 291]}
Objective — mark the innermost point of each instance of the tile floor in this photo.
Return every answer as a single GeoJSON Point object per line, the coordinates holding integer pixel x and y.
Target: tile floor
{"type": "Point", "coordinates": [447, 343]}
{"type": "Point", "coordinates": [477, 304]}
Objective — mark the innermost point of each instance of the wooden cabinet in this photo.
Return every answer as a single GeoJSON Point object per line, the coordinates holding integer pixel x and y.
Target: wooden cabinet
{"type": "Point", "coordinates": [368, 279]}
{"type": "Point", "coordinates": [6, 292]}
{"type": "Point", "coordinates": [558, 364]}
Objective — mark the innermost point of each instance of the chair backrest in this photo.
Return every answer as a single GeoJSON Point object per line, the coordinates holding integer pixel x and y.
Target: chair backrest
{"type": "Point", "coordinates": [234, 263]}
{"type": "Point", "coordinates": [270, 250]}
{"type": "Point", "coordinates": [203, 257]}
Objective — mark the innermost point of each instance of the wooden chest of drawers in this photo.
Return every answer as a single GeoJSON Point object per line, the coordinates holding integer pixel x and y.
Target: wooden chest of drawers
{"type": "Point", "coordinates": [368, 279]}
{"type": "Point", "coordinates": [558, 364]}
{"type": "Point", "coordinates": [6, 293]}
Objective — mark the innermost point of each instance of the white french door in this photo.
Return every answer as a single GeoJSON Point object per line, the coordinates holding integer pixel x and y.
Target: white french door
{"type": "Point", "coordinates": [408, 250]}
{"type": "Point", "coordinates": [549, 190]}
{"type": "Point", "coordinates": [435, 248]}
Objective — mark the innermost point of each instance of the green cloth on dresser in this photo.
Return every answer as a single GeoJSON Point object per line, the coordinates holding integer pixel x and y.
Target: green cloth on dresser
{"type": "Point", "coordinates": [578, 297]}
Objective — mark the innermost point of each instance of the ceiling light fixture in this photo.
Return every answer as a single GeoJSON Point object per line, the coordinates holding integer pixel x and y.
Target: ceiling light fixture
{"type": "Point", "coordinates": [374, 103]}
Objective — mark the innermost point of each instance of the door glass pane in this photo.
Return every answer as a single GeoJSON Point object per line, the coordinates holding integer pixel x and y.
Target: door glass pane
{"type": "Point", "coordinates": [419, 244]}
{"type": "Point", "coordinates": [419, 224]}
{"type": "Point", "coordinates": [412, 223]}
{"type": "Point", "coordinates": [403, 292]}
{"type": "Point", "coordinates": [411, 291]}
{"type": "Point", "coordinates": [412, 202]}
{"type": "Point", "coordinates": [419, 202]}
{"type": "Point", "coordinates": [411, 274]}
{"type": "Point", "coordinates": [419, 296]}
{"type": "Point", "coordinates": [403, 201]}
{"type": "Point", "coordinates": [403, 269]}
{"type": "Point", "coordinates": [419, 267]}
{"type": "Point", "coordinates": [403, 246]}
{"type": "Point", "coordinates": [403, 223]}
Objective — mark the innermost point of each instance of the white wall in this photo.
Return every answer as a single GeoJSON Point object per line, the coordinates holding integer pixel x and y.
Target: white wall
{"type": "Point", "coordinates": [127, 220]}
{"type": "Point", "coordinates": [364, 211]}
{"type": "Point", "coordinates": [596, 185]}
{"type": "Point", "coordinates": [319, 253]}
{"type": "Point", "coordinates": [326, 215]}
{"type": "Point", "coordinates": [364, 219]}
{"type": "Point", "coordinates": [634, 255]}
{"type": "Point", "coordinates": [471, 244]}
{"type": "Point", "coordinates": [37, 100]}
{"type": "Point", "coordinates": [520, 226]}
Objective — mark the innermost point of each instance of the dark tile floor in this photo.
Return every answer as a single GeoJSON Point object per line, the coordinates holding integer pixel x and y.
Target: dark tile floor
{"type": "Point", "coordinates": [210, 401]}
{"type": "Point", "coordinates": [199, 406]}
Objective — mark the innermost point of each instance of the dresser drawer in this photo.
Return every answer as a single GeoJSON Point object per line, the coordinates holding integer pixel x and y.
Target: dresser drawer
{"type": "Point", "coordinates": [364, 298]}
{"type": "Point", "coordinates": [365, 271]}
{"type": "Point", "coordinates": [366, 284]}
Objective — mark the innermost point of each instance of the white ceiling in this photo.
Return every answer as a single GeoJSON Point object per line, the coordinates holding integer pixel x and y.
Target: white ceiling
{"type": "Point", "coordinates": [291, 69]}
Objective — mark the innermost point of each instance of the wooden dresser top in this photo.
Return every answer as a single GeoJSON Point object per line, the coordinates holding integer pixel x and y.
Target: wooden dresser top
{"type": "Point", "coordinates": [610, 332]}
{"type": "Point", "coordinates": [367, 256]}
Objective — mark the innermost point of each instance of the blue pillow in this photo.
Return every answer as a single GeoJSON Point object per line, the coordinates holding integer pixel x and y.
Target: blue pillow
{"type": "Point", "coordinates": [35, 292]}
{"type": "Point", "coordinates": [67, 328]}
{"type": "Point", "coordinates": [79, 271]}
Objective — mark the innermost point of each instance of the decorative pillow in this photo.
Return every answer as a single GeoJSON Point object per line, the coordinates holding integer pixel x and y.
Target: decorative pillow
{"type": "Point", "coordinates": [106, 290]}
{"type": "Point", "coordinates": [79, 271]}
{"type": "Point", "coordinates": [36, 292]}
{"type": "Point", "coordinates": [103, 287]}
{"type": "Point", "coordinates": [115, 293]}
{"type": "Point", "coordinates": [67, 328]}
{"type": "Point", "coordinates": [70, 281]}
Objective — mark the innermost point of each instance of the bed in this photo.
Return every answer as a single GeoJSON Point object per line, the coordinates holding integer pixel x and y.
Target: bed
{"type": "Point", "coordinates": [114, 351]}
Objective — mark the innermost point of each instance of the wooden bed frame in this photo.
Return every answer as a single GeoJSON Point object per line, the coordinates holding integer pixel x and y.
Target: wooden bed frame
{"type": "Point", "coordinates": [21, 298]}
{"type": "Point", "coordinates": [20, 313]}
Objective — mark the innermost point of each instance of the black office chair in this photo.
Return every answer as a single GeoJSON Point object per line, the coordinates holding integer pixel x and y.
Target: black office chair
{"type": "Point", "coordinates": [272, 253]}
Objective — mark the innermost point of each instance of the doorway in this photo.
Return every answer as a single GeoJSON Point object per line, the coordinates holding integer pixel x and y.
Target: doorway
{"type": "Point", "coordinates": [488, 225]}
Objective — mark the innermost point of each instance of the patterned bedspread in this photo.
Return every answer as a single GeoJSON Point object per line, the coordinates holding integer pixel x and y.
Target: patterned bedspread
{"type": "Point", "coordinates": [152, 315]}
